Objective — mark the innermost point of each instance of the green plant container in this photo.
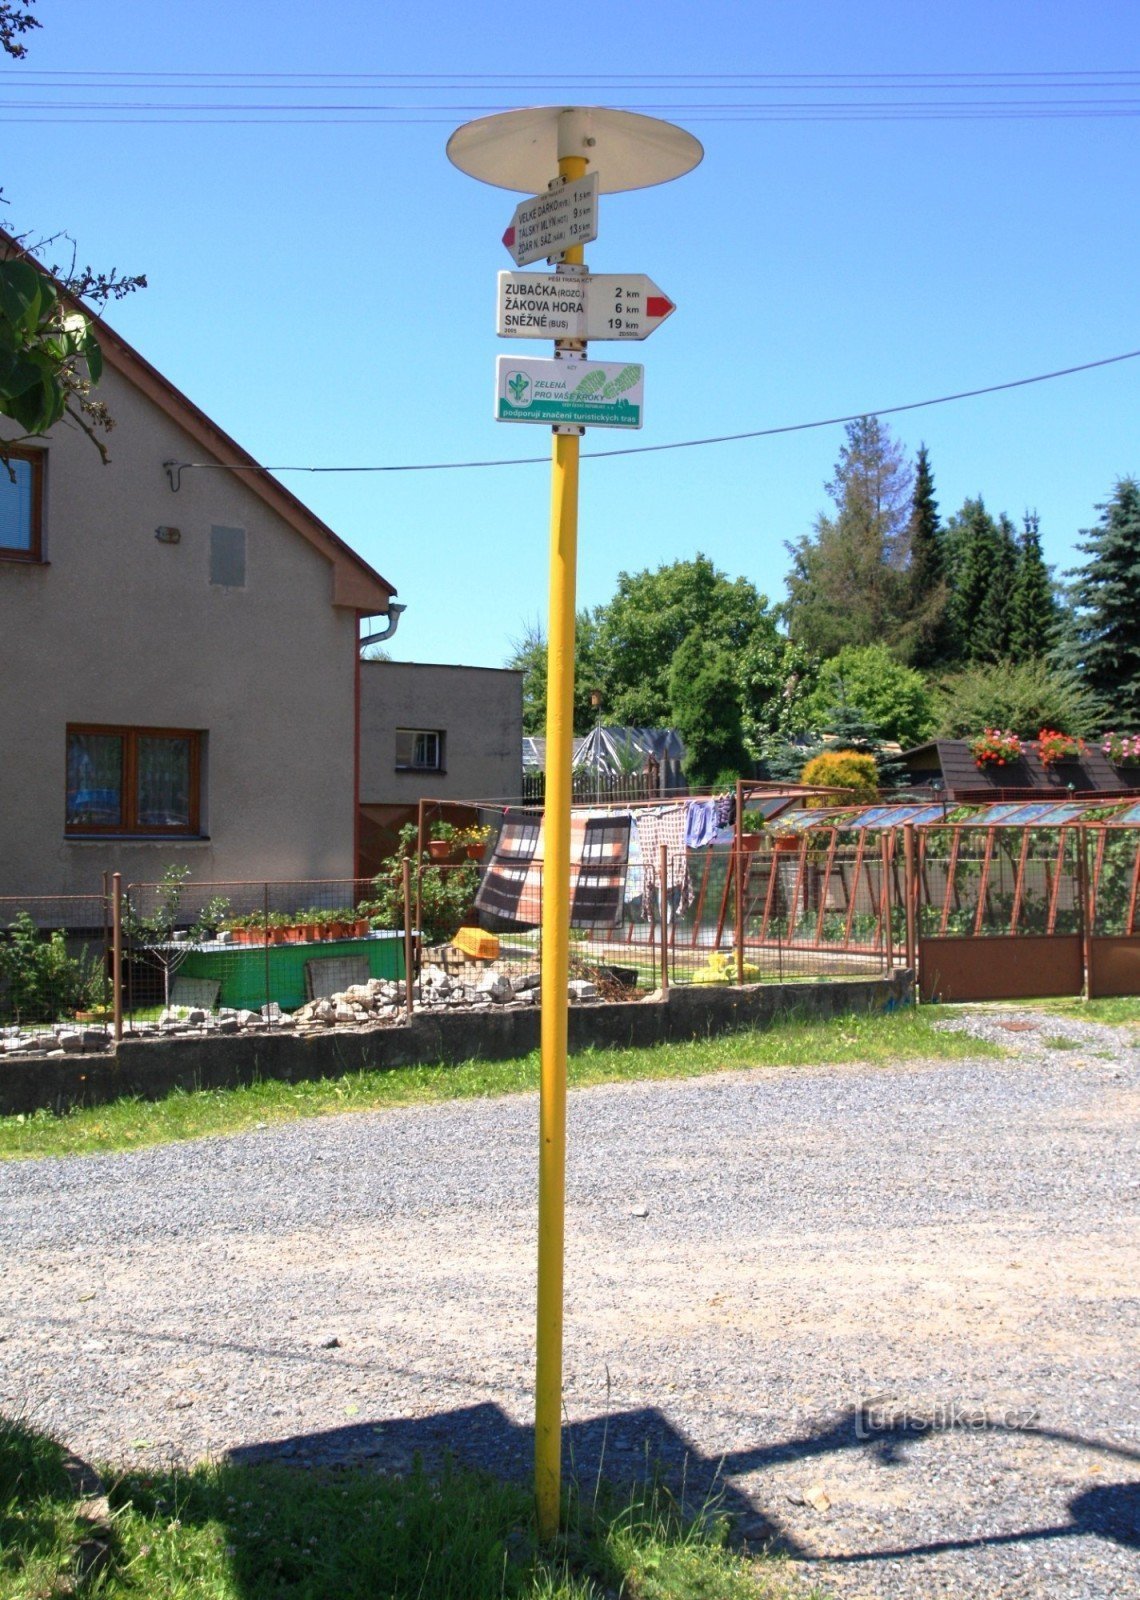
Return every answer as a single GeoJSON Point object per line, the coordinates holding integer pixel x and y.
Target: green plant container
{"type": "Point", "coordinates": [241, 968]}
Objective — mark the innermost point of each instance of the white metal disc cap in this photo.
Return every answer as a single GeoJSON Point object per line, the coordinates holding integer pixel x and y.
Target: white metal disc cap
{"type": "Point", "coordinates": [520, 149]}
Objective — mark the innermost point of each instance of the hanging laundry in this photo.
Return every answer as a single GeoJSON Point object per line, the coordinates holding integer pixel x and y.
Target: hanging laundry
{"type": "Point", "coordinates": [657, 827]}
{"type": "Point", "coordinates": [599, 858]}
{"type": "Point", "coordinates": [511, 887]}
{"type": "Point", "coordinates": [725, 810]}
{"type": "Point", "coordinates": [700, 823]}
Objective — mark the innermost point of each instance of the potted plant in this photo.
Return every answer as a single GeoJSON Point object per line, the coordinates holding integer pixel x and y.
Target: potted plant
{"type": "Point", "coordinates": [752, 825]}
{"type": "Point", "coordinates": [1054, 747]}
{"type": "Point", "coordinates": [341, 922]}
{"type": "Point", "coordinates": [1122, 749]}
{"type": "Point", "coordinates": [474, 841]}
{"type": "Point", "coordinates": [442, 841]}
{"type": "Point", "coordinates": [996, 747]}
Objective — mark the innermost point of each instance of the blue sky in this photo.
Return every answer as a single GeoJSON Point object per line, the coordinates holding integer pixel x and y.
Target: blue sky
{"type": "Point", "coordinates": [325, 289]}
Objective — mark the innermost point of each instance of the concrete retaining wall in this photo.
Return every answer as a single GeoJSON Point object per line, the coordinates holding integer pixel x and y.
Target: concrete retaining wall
{"type": "Point", "coordinates": [151, 1068]}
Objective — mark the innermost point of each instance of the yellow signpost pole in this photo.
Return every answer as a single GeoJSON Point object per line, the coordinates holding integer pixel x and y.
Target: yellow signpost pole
{"type": "Point", "coordinates": [518, 150]}
{"type": "Point", "coordinates": [556, 956]}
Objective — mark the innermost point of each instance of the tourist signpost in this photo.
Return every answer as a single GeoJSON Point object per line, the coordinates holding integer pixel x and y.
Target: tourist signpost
{"type": "Point", "coordinates": [565, 156]}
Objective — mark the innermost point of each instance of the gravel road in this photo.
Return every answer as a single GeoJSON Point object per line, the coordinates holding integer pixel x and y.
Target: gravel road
{"type": "Point", "coordinates": [895, 1310]}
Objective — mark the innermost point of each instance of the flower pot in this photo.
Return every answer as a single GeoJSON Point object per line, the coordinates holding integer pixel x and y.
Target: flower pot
{"type": "Point", "coordinates": [440, 849]}
{"type": "Point", "coordinates": [339, 930]}
{"type": "Point", "coordinates": [751, 841]}
{"type": "Point", "coordinates": [475, 852]}
{"type": "Point", "coordinates": [361, 928]}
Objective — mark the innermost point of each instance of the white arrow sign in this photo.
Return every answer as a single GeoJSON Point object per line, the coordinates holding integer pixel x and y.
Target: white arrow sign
{"type": "Point", "coordinates": [598, 305]}
{"type": "Point", "coordinates": [552, 223]}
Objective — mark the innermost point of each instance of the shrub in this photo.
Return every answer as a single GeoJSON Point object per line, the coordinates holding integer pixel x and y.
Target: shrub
{"type": "Point", "coordinates": [40, 982]}
{"type": "Point", "coordinates": [447, 892]}
{"type": "Point", "coordinates": [842, 769]}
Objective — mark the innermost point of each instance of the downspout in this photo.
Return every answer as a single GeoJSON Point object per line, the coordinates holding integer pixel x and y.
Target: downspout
{"type": "Point", "coordinates": [394, 612]}
{"type": "Point", "coordinates": [356, 862]}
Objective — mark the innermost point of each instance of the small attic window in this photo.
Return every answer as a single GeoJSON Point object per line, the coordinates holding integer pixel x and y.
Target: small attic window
{"type": "Point", "coordinates": [227, 557]}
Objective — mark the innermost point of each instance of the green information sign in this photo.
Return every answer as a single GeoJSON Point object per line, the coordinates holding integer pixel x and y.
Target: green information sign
{"type": "Point", "coordinates": [572, 392]}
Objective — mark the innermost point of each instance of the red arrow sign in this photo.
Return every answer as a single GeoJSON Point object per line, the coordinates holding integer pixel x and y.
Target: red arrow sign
{"type": "Point", "coordinates": [656, 305]}
{"type": "Point", "coordinates": [509, 237]}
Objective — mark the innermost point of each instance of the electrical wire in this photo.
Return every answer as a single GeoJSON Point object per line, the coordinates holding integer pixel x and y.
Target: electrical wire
{"type": "Point", "coordinates": [420, 103]}
{"type": "Point", "coordinates": [680, 444]}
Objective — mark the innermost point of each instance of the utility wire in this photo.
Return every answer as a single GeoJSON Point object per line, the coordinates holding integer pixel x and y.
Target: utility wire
{"type": "Point", "coordinates": [679, 444]}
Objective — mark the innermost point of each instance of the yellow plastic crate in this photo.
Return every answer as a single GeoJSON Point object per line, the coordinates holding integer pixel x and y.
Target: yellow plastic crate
{"type": "Point", "coordinates": [478, 945]}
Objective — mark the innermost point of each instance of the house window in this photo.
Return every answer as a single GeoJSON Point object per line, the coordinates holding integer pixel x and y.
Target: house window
{"type": "Point", "coordinates": [21, 506]}
{"type": "Point", "coordinates": [133, 780]}
{"type": "Point", "coordinates": [419, 750]}
{"type": "Point", "coordinates": [227, 557]}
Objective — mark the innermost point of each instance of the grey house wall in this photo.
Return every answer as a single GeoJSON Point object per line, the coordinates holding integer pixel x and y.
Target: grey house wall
{"type": "Point", "coordinates": [118, 628]}
{"type": "Point", "coordinates": [477, 709]}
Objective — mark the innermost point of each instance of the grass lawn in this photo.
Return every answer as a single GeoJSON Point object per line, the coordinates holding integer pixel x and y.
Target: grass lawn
{"type": "Point", "coordinates": [882, 1038]}
{"type": "Point", "coordinates": [243, 1533]}
{"type": "Point", "coordinates": [1123, 1010]}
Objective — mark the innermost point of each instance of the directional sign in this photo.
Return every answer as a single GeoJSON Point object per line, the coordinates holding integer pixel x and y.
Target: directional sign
{"type": "Point", "coordinates": [542, 305]}
{"type": "Point", "coordinates": [598, 305]}
{"type": "Point", "coordinates": [574, 392]}
{"type": "Point", "coordinates": [552, 223]}
{"type": "Point", "coordinates": [624, 306]}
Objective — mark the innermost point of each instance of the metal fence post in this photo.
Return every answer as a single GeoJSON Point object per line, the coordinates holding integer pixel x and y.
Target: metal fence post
{"type": "Point", "coordinates": [117, 954]}
{"type": "Point", "coordinates": [664, 873]}
{"type": "Point", "coordinates": [406, 869]}
{"type": "Point", "coordinates": [265, 936]}
{"type": "Point", "coordinates": [909, 888]}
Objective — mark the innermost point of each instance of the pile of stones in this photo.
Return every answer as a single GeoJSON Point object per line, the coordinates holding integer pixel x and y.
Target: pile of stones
{"type": "Point", "coordinates": [379, 1000]}
{"type": "Point", "coordinates": [63, 1039]}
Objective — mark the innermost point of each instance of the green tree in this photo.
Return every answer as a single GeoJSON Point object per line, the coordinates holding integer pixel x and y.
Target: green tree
{"type": "Point", "coordinates": [848, 583]}
{"type": "Point", "coordinates": [928, 639]}
{"type": "Point", "coordinates": [894, 700]}
{"type": "Point", "coordinates": [528, 656]}
{"type": "Point", "coordinates": [704, 699]}
{"type": "Point", "coordinates": [985, 567]}
{"type": "Point", "coordinates": [14, 23]}
{"type": "Point", "coordinates": [1106, 597]}
{"type": "Point", "coordinates": [1034, 615]}
{"type": "Point", "coordinates": [776, 678]}
{"type": "Point", "coordinates": [1024, 696]}
{"type": "Point", "coordinates": [49, 356]}
{"type": "Point", "coordinates": [651, 616]}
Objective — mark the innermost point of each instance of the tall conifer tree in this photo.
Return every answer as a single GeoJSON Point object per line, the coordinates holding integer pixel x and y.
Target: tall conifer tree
{"type": "Point", "coordinates": [848, 581]}
{"type": "Point", "coordinates": [1107, 598]}
{"type": "Point", "coordinates": [930, 639]}
{"type": "Point", "coordinates": [1034, 613]}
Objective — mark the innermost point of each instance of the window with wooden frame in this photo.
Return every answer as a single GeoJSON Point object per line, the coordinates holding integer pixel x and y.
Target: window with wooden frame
{"type": "Point", "coordinates": [21, 504]}
{"type": "Point", "coordinates": [419, 750]}
{"type": "Point", "coordinates": [133, 780]}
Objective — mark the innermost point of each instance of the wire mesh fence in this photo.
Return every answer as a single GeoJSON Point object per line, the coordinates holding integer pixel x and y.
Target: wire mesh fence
{"type": "Point", "coordinates": [1000, 881]}
{"type": "Point", "coordinates": [55, 968]}
{"type": "Point", "coordinates": [819, 902]}
{"type": "Point", "coordinates": [249, 950]}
